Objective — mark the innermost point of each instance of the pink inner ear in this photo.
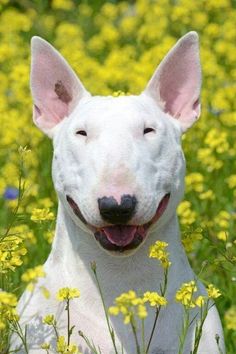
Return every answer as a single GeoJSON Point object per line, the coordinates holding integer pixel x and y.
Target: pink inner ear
{"type": "Point", "coordinates": [49, 82]}
{"type": "Point", "coordinates": [177, 81]}
{"type": "Point", "coordinates": [52, 113]}
{"type": "Point", "coordinates": [56, 102]}
{"type": "Point", "coordinates": [179, 84]}
{"type": "Point", "coordinates": [55, 87]}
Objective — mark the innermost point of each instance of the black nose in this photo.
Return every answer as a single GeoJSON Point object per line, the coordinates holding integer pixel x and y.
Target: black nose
{"type": "Point", "coordinates": [116, 213]}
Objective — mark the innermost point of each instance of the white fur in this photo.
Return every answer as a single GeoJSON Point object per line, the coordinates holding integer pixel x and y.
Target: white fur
{"type": "Point", "coordinates": [116, 159]}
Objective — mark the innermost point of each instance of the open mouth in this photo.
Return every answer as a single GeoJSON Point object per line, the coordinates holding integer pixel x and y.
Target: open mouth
{"type": "Point", "coordinates": [121, 238]}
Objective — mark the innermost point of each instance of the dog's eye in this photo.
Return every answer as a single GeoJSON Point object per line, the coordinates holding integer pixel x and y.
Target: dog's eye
{"type": "Point", "coordinates": [148, 130]}
{"type": "Point", "coordinates": [81, 132]}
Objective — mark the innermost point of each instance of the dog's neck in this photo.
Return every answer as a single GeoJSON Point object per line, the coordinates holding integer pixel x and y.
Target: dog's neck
{"type": "Point", "coordinates": [74, 249]}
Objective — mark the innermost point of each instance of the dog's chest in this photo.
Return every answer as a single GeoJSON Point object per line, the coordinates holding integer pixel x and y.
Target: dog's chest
{"type": "Point", "coordinates": [94, 326]}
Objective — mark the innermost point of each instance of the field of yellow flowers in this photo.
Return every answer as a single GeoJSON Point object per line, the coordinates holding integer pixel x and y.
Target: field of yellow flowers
{"type": "Point", "coordinates": [116, 45]}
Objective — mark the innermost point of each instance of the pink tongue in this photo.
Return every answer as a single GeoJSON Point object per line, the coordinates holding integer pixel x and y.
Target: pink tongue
{"type": "Point", "coordinates": [120, 235]}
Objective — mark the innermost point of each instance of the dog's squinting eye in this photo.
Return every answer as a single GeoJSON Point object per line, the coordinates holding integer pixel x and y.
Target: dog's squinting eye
{"type": "Point", "coordinates": [148, 130]}
{"type": "Point", "coordinates": [81, 132]}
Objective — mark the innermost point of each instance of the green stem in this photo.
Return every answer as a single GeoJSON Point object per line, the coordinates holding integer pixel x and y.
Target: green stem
{"type": "Point", "coordinates": [184, 331]}
{"type": "Point", "coordinates": [165, 282]}
{"type": "Point", "coordinates": [89, 344]}
{"type": "Point", "coordinates": [56, 332]}
{"type": "Point", "coordinates": [68, 322]}
{"type": "Point", "coordinates": [153, 329]}
{"type": "Point", "coordinates": [163, 292]}
{"type": "Point", "coordinates": [23, 336]}
{"type": "Point", "coordinates": [135, 337]}
{"type": "Point", "coordinates": [21, 188]}
{"type": "Point", "coordinates": [93, 267]}
{"type": "Point", "coordinates": [198, 332]}
{"type": "Point", "coordinates": [143, 337]}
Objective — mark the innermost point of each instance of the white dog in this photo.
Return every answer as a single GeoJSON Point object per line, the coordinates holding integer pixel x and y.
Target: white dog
{"type": "Point", "coordinates": [118, 169]}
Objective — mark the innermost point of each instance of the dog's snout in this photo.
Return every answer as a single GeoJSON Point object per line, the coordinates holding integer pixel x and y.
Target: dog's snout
{"type": "Point", "coordinates": [116, 213]}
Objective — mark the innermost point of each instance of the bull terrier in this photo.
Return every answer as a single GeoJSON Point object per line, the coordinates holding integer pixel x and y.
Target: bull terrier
{"type": "Point", "coordinates": [118, 169]}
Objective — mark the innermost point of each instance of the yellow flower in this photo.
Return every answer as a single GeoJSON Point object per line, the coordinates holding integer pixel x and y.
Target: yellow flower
{"type": "Point", "coordinates": [213, 292]}
{"type": "Point", "coordinates": [194, 181]}
{"type": "Point", "coordinates": [185, 294]}
{"type": "Point", "coordinates": [206, 157]}
{"type": "Point", "coordinates": [49, 320]}
{"type": "Point", "coordinates": [31, 276]}
{"type": "Point", "coordinates": [33, 273]}
{"type": "Point", "coordinates": [118, 93]}
{"type": "Point", "coordinates": [190, 238]}
{"type": "Point", "coordinates": [39, 215]}
{"type": "Point", "coordinates": [231, 180]}
{"type": "Point", "coordinates": [67, 294]}
{"type": "Point", "coordinates": [141, 311]}
{"type": "Point", "coordinates": [45, 346]}
{"type": "Point", "coordinates": [158, 251]}
{"type": "Point", "coordinates": [8, 302]}
{"type": "Point", "coordinates": [63, 348]}
{"type": "Point", "coordinates": [114, 310]}
{"type": "Point", "coordinates": [62, 4]}
{"type": "Point", "coordinates": [222, 235]}
{"type": "Point", "coordinates": [187, 216]}
{"type": "Point", "coordinates": [129, 305]}
{"type": "Point", "coordinates": [217, 140]}
{"type": "Point", "coordinates": [11, 251]}
{"type": "Point", "coordinates": [24, 151]}
{"type": "Point", "coordinates": [200, 301]}
{"type": "Point", "coordinates": [45, 203]}
{"type": "Point", "coordinates": [49, 235]}
{"type": "Point", "coordinates": [209, 194]}
{"type": "Point", "coordinates": [230, 318]}
{"type": "Point", "coordinates": [45, 292]}
{"type": "Point", "coordinates": [7, 299]}
{"type": "Point", "coordinates": [154, 299]}
{"type": "Point", "coordinates": [223, 219]}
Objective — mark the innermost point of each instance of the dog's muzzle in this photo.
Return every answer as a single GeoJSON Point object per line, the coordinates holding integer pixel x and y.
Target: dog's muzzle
{"type": "Point", "coordinates": [114, 213]}
{"type": "Point", "coordinates": [121, 238]}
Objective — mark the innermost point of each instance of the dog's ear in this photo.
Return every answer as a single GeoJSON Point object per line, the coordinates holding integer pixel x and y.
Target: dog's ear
{"type": "Point", "coordinates": [55, 87]}
{"type": "Point", "coordinates": [176, 83]}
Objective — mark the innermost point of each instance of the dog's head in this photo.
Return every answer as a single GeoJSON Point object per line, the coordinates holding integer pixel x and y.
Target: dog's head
{"type": "Point", "coordinates": [118, 166]}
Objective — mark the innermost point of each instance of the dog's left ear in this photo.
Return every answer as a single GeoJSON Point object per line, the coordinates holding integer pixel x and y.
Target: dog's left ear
{"type": "Point", "coordinates": [176, 83]}
{"type": "Point", "coordinates": [55, 88]}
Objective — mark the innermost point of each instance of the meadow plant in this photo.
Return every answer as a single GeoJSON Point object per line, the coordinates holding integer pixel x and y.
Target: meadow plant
{"type": "Point", "coordinates": [186, 296]}
{"type": "Point", "coordinates": [122, 42]}
{"type": "Point", "coordinates": [133, 307]}
{"type": "Point", "coordinates": [110, 329]}
{"type": "Point", "coordinates": [63, 345]}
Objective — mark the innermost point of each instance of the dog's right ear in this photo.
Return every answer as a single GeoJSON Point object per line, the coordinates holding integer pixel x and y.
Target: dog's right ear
{"type": "Point", "coordinates": [54, 86]}
{"type": "Point", "coordinates": [176, 83]}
